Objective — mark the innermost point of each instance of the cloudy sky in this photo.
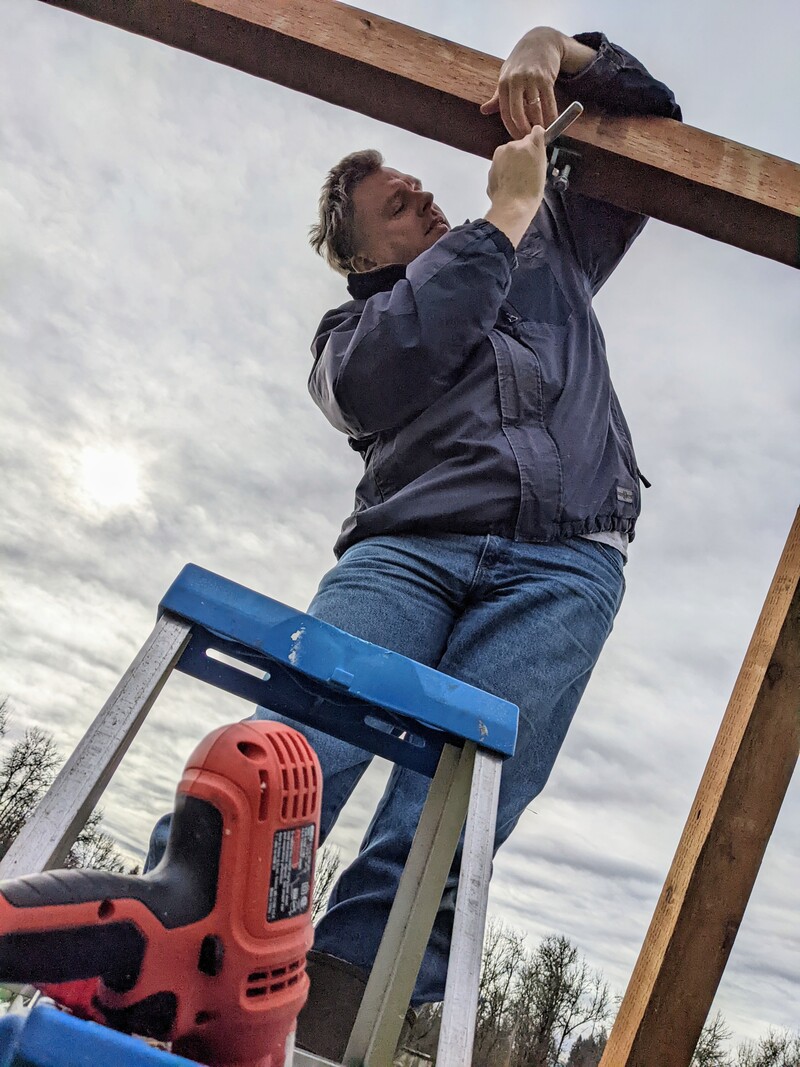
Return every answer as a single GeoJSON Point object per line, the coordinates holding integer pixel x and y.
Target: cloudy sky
{"type": "Point", "coordinates": [157, 299]}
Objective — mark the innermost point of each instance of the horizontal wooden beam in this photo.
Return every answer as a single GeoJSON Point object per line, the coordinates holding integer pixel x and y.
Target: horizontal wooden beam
{"type": "Point", "coordinates": [718, 857]}
{"type": "Point", "coordinates": [431, 86]}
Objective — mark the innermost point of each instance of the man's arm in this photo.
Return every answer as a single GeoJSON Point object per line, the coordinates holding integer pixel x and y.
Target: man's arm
{"type": "Point", "coordinates": [379, 366]}
{"type": "Point", "coordinates": [586, 67]}
{"type": "Point", "coordinates": [601, 75]}
{"type": "Point", "coordinates": [516, 184]}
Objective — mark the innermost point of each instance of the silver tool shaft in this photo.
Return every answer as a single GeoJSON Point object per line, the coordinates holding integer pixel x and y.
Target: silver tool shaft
{"type": "Point", "coordinates": [563, 122]}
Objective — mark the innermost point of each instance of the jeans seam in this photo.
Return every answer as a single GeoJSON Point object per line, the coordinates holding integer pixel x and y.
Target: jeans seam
{"type": "Point", "coordinates": [474, 582]}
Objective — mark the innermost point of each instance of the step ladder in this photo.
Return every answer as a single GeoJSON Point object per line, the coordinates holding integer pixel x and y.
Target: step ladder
{"type": "Point", "coordinates": [457, 735]}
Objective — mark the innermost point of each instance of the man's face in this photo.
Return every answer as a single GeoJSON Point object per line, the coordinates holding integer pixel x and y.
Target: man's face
{"type": "Point", "coordinates": [394, 219]}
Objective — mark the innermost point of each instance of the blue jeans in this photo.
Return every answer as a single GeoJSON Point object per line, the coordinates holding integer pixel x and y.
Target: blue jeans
{"type": "Point", "coordinates": [524, 621]}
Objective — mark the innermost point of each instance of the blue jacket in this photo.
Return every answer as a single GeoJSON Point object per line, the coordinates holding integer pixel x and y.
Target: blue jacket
{"type": "Point", "coordinates": [474, 381]}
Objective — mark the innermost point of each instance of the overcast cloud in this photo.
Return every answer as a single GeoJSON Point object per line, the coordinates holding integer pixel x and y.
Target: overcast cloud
{"type": "Point", "coordinates": [157, 299]}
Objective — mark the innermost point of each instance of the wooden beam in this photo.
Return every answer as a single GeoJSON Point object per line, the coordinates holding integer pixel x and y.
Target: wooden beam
{"type": "Point", "coordinates": [431, 86]}
{"type": "Point", "coordinates": [704, 897]}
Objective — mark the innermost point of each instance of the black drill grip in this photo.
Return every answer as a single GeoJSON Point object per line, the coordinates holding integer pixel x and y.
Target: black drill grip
{"type": "Point", "coordinates": [40, 943]}
{"type": "Point", "coordinates": [113, 952]}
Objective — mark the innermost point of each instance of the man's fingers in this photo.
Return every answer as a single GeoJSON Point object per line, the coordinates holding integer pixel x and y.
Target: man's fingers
{"type": "Point", "coordinates": [523, 102]}
{"type": "Point", "coordinates": [491, 107]}
{"type": "Point", "coordinates": [549, 106]}
{"type": "Point", "coordinates": [533, 108]}
{"type": "Point", "coordinates": [518, 111]}
{"type": "Point", "coordinates": [537, 135]}
{"type": "Point", "coordinates": [505, 114]}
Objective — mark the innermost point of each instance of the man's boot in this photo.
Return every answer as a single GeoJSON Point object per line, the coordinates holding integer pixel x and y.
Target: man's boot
{"type": "Point", "coordinates": [337, 989]}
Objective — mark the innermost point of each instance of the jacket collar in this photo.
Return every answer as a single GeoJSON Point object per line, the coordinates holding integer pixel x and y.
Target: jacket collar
{"type": "Point", "coordinates": [363, 286]}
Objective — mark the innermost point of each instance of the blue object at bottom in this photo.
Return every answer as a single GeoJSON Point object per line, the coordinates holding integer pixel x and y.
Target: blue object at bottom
{"type": "Point", "coordinates": [48, 1037]}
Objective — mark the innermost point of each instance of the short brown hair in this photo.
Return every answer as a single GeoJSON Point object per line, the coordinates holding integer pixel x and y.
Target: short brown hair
{"type": "Point", "coordinates": [333, 236]}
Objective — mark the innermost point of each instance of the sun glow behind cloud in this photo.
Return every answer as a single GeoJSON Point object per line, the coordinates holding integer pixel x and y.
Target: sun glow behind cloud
{"type": "Point", "coordinates": [109, 478]}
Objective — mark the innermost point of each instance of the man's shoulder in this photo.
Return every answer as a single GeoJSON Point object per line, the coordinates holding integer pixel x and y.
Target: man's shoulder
{"type": "Point", "coordinates": [335, 319]}
{"type": "Point", "coordinates": [339, 315]}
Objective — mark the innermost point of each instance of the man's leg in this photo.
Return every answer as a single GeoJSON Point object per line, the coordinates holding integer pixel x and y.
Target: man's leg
{"type": "Point", "coordinates": [536, 620]}
{"type": "Point", "coordinates": [396, 592]}
{"type": "Point", "coordinates": [402, 594]}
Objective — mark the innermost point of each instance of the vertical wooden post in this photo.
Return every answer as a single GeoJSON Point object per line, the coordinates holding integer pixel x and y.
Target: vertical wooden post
{"type": "Point", "coordinates": [715, 866]}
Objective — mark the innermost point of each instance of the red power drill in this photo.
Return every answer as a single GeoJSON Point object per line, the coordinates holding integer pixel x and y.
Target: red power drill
{"type": "Point", "coordinates": [208, 950]}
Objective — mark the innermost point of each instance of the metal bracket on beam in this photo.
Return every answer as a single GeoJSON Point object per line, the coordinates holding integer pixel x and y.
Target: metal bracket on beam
{"type": "Point", "coordinates": [562, 160]}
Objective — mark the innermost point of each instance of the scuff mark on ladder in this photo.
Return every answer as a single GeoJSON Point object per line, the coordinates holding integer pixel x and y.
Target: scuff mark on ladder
{"type": "Point", "coordinates": [297, 637]}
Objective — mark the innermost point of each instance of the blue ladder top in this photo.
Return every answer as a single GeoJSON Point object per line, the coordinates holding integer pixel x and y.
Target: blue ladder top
{"type": "Point", "coordinates": [47, 1037]}
{"type": "Point", "coordinates": [323, 677]}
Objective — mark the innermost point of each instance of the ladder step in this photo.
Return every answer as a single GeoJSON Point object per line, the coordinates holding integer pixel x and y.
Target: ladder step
{"type": "Point", "coordinates": [386, 703]}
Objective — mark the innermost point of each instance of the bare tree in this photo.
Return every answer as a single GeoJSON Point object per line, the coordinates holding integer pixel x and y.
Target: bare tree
{"type": "Point", "coordinates": [424, 1036]}
{"type": "Point", "coordinates": [710, 1050]}
{"type": "Point", "coordinates": [503, 956]}
{"type": "Point", "coordinates": [780, 1048]}
{"type": "Point", "coordinates": [588, 1051]}
{"type": "Point", "coordinates": [558, 995]}
{"type": "Point", "coordinates": [327, 865]}
{"type": "Point", "coordinates": [26, 773]}
{"type": "Point", "coordinates": [531, 1005]}
{"type": "Point", "coordinates": [97, 850]}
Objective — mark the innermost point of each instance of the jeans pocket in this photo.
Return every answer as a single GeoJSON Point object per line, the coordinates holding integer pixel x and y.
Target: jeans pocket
{"type": "Point", "coordinates": [612, 554]}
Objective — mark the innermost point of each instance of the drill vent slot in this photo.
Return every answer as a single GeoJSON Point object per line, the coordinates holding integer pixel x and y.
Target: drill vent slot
{"type": "Point", "coordinates": [261, 983]}
{"type": "Point", "coordinates": [263, 804]}
{"type": "Point", "coordinates": [284, 984]}
{"type": "Point", "coordinates": [299, 779]}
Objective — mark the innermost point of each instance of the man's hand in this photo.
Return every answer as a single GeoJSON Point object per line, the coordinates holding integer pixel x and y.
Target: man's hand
{"type": "Point", "coordinates": [525, 94]}
{"type": "Point", "coordinates": [516, 184]}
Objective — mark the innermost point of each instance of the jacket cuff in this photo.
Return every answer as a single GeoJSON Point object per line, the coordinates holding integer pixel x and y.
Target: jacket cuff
{"type": "Point", "coordinates": [499, 239]}
{"type": "Point", "coordinates": [616, 81]}
{"type": "Point", "coordinates": [604, 67]}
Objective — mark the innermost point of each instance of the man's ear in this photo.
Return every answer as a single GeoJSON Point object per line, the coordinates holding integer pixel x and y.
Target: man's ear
{"type": "Point", "coordinates": [361, 264]}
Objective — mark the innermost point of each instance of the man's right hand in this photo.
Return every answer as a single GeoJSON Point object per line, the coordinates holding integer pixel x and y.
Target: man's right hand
{"type": "Point", "coordinates": [516, 184]}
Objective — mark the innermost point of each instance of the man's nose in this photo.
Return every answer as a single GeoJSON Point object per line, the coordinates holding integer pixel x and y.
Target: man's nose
{"type": "Point", "coordinates": [424, 202]}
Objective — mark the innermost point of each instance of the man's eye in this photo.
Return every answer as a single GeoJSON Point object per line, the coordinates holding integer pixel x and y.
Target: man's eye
{"type": "Point", "coordinates": [398, 209]}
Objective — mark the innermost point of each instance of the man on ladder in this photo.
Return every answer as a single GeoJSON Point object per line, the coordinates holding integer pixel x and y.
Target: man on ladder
{"type": "Point", "coordinates": [500, 490]}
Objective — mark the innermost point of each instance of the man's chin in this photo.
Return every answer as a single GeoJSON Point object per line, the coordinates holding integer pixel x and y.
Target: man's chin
{"type": "Point", "coordinates": [431, 237]}
{"type": "Point", "coordinates": [439, 229]}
